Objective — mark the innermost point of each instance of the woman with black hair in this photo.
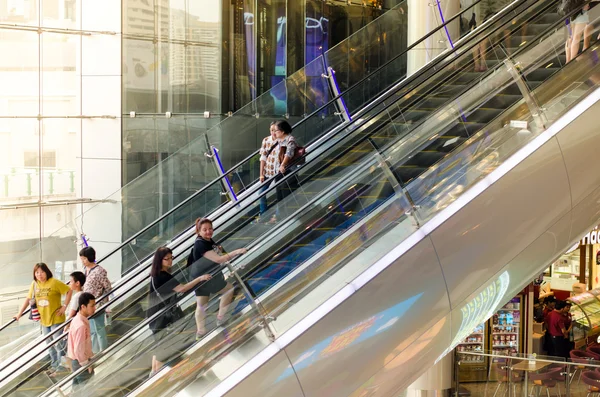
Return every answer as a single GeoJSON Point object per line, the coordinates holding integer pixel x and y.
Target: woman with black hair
{"type": "Point", "coordinates": [163, 287]}
{"type": "Point", "coordinates": [207, 257]}
{"type": "Point", "coordinates": [47, 292]}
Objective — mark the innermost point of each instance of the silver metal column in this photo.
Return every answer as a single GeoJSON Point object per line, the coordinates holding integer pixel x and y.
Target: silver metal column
{"type": "Point", "coordinates": [436, 382]}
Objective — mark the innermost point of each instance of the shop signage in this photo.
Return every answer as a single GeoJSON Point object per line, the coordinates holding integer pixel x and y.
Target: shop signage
{"type": "Point", "coordinates": [591, 238]}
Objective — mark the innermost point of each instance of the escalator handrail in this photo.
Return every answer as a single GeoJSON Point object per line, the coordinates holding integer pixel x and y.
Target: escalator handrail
{"type": "Point", "coordinates": [293, 173]}
{"type": "Point", "coordinates": [248, 158]}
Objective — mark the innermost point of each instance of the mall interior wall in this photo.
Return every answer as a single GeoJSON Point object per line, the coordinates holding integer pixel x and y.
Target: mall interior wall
{"type": "Point", "coordinates": [60, 130]}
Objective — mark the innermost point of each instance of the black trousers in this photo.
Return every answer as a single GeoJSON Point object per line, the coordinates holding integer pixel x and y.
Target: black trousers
{"type": "Point", "coordinates": [284, 190]}
{"type": "Point", "coordinates": [558, 346]}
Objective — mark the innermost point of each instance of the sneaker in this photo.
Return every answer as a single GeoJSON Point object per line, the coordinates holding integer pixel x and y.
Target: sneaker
{"type": "Point", "coordinates": [200, 335]}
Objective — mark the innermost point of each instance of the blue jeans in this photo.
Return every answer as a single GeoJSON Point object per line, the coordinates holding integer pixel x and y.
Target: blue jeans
{"type": "Point", "coordinates": [56, 351]}
{"type": "Point", "coordinates": [98, 331]}
{"type": "Point", "coordinates": [79, 380]}
{"type": "Point", "coordinates": [263, 199]}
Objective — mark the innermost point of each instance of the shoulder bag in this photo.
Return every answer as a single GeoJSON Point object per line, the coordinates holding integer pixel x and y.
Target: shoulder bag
{"type": "Point", "coordinates": [34, 313]}
{"type": "Point", "coordinates": [168, 317]}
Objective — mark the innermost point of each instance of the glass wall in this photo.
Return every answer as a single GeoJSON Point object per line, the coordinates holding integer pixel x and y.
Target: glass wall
{"type": "Point", "coordinates": [188, 63]}
{"type": "Point", "coordinates": [59, 132]}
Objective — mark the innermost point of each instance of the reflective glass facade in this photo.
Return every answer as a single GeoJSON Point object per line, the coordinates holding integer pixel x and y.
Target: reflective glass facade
{"type": "Point", "coordinates": [189, 57]}
{"type": "Point", "coordinates": [60, 128]}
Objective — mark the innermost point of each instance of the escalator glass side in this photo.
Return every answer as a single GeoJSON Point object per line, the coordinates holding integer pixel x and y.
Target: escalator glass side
{"type": "Point", "coordinates": [551, 91]}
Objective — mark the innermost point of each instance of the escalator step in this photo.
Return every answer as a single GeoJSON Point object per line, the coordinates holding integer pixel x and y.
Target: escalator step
{"type": "Point", "coordinates": [407, 173]}
{"type": "Point", "coordinates": [540, 75]}
{"type": "Point", "coordinates": [502, 101]}
{"type": "Point", "coordinates": [446, 144]}
{"type": "Point", "coordinates": [484, 115]}
{"type": "Point", "coordinates": [464, 130]}
{"type": "Point", "coordinates": [425, 158]}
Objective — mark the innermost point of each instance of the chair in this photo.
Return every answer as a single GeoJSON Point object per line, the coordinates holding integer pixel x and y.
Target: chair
{"type": "Point", "coordinates": [580, 357]}
{"type": "Point", "coordinates": [595, 349]}
{"type": "Point", "coordinates": [501, 371]}
{"type": "Point", "coordinates": [592, 380]}
{"type": "Point", "coordinates": [560, 375]}
{"type": "Point", "coordinates": [547, 378]}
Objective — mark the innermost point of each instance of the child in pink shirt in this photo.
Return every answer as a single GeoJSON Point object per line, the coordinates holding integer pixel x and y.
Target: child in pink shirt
{"type": "Point", "coordinates": [80, 339]}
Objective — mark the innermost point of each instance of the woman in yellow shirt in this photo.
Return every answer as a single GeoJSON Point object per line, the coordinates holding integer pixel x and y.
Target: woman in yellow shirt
{"type": "Point", "coordinates": [48, 293]}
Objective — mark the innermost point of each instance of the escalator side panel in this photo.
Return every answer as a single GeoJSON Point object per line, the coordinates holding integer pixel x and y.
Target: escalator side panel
{"type": "Point", "coordinates": [488, 231]}
{"type": "Point", "coordinates": [393, 310]}
{"type": "Point", "coordinates": [326, 365]}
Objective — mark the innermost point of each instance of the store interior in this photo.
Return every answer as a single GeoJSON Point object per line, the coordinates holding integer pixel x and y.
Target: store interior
{"type": "Point", "coordinates": [518, 329]}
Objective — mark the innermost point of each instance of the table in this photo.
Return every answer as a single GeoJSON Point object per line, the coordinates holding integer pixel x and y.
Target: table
{"type": "Point", "coordinates": [526, 367]}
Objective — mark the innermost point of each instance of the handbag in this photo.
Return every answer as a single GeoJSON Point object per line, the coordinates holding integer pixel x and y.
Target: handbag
{"type": "Point", "coordinates": [34, 313]}
{"type": "Point", "coordinates": [168, 317]}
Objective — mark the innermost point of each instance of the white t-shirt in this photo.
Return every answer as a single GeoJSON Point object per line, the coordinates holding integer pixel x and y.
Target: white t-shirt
{"type": "Point", "coordinates": [74, 303]}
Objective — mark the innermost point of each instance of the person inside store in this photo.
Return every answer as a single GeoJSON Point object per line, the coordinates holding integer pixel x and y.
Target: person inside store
{"type": "Point", "coordinates": [207, 258]}
{"type": "Point", "coordinates": [569, 324]}
{"type": "Point", "coordinates": [557, 331]}
{"type": "Point", "coordinates": [550, 303]}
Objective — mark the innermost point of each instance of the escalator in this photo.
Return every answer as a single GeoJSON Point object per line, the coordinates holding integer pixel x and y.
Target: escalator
{"type": "Point", "coordinates": [167, 229]}
{"type": "Point", "coordinates": [389, 217]}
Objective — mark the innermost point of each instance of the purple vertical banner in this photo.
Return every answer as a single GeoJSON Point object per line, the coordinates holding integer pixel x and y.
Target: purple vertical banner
{"type": "Point", "coordinates": [250, 46]}
{"type": "Point", "coordinates": [278, 91]}
{"type": "Point", "coordinates": [316, 44]}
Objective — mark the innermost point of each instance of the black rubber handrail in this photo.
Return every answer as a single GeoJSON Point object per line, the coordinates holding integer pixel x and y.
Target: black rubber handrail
{"type": "Point", "coordinates": [248, 158]}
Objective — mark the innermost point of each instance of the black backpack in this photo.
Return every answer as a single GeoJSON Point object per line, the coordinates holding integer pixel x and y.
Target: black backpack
{"type": "Point", "coordinates": [190, 258]}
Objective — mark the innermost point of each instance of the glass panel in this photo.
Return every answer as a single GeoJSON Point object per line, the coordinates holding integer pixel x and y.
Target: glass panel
{"type": "Point", "coordinates": [20, 13]}
{"type": "Point", "coordinates": [518, 374]}
{"type": "Point", "coordinates": [58, 14]}
{"type": "Point", "coordinates": [19, 73]}
{"type": "Point", "coordinates": [140, 66]}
